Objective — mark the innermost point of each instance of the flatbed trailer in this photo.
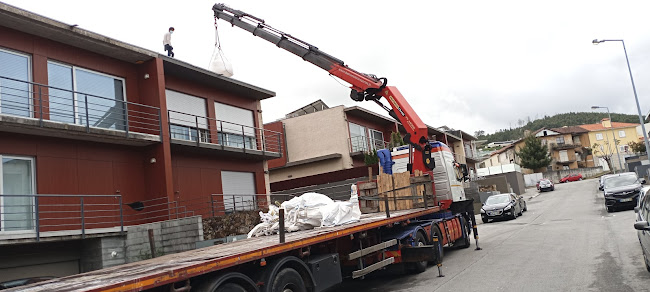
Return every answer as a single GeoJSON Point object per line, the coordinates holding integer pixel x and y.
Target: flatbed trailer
{"type": "Point", "coordinates": [255, 264]}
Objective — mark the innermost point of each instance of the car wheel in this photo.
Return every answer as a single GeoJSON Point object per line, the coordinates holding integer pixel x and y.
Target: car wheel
{"type": "Point", "coordinates": [485, 220]}
{"type": "Point", "coordinates": [645, 260]}
{"type": "Point", "coordinates": [553, 188]}
{"type": "Point", "coordinates": [525, 207]}
{"type": "Point", "coordinates": [610, 209]}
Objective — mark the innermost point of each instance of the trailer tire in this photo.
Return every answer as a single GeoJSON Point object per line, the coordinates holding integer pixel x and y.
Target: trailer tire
{"type": "Point", "coordinates": [419, 267]}
{"type": "Point", "coordinates": [435, 232]}
{"type": "Point", "coordinates": [287, 280]}
{"type": "Point", "coordinates": [230, 282]}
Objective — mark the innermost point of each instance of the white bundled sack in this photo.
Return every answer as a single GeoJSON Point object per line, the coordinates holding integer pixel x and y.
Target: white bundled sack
{"type": "Point", "coordinates": [219, 64]}
{"type": "Point", "coordinates": [308, 211]}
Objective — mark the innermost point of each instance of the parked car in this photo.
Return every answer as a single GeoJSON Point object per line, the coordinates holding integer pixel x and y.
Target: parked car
{"type": "Point", "coordinates": [641, 224]}
{"type": "Point", "coordinates": [501, 206]}
{"type": "Point", "coordinates": [571, 177]}
{"type": "Point", "coordinates": [545, 185]}
{"type": "Point", "coordinates": [601, 181]}
{"type": "Point", "coordinates": [22, 282]}
{"type": "Point", "coordinates": [622, 190]}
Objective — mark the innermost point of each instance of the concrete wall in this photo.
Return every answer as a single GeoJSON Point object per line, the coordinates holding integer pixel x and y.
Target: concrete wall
{"type": "Point", "coordinates": [170, 236]}
{"type": "Point", "coordinates": [506, 182]}
{"type": "Point", "coordinates": [556, 175]}
{"type": "Point", "coordinates": [315, 135]}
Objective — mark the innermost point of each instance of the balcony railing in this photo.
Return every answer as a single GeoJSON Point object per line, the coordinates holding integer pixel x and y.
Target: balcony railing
{"type": "Point", "coordinates": [38, 215]}
{"type": "Point", "coordinates": [564, 146]}
{"type": "Point", "coordinates": [199, 129]}
{"type": "Point", "coordinates": [365, 144]}
{"type": "Point", "coordinates": [51, 104]}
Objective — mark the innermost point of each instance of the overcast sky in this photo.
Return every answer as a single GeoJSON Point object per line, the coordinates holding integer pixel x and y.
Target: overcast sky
{"type": "Point", "coordinates": [470, 65]}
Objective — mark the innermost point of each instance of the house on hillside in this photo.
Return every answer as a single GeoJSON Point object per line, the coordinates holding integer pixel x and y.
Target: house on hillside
{"type": "Point", "coordinates": [99, 136]}
{"type": "Point", "coordinates": [606, 132]}
{"type": "Point", "coordinates": [568, 147]}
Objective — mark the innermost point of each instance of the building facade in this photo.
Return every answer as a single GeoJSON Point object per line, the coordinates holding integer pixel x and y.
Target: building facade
{"type": "Point", "coordinates": [603, 135]}
{"type": "Point", "coordinates": [97, 135]}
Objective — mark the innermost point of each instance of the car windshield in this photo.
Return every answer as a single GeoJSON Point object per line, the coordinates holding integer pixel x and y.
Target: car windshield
{"type": "Point", "coordinates": [618, 181]}
{"type": "Point", "coordinates": [494, 200]}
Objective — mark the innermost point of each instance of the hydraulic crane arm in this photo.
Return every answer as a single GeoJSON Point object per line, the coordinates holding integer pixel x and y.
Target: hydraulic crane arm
{"type": "Point", "coordinates": [364, 86]}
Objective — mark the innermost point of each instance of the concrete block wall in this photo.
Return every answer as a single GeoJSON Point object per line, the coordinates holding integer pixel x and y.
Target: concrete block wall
{"type": "Point", "coordinates": [586, 172]}
{"type": "Point", "coordinates": [170, 236]}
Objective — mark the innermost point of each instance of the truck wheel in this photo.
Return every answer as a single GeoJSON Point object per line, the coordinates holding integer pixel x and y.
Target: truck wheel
{"type": "Point", "coordinates": [288, 280]}
{"type": "Point", "coordinates": [419, 267]}
{"type": "Point", "coordinates": [230, 287]}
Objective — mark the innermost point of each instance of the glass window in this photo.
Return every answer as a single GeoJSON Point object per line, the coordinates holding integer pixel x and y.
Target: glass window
{"type": "Point", "coordinates": [17, 181]}
{"type": "Point", "coordinates": [187, 116]}
{"type": "Point", "coordinates": [599, 136]}
{"type": "Point", "coordinates": [98, 101]}
{"type": "Point", "coordinates": [62, 102]}
{"type": "Point", "coordinates": [377, 139]}
{"type": "Point", "coordinates": [559, 140]}
{"type": "Point", "coordinates": [236, 126]}
{"type": "Point", "coordinates": [621, 134]}
{"type": "Point", "coordinates": [15, 95]}
{"type": "Point", "coordinates": [105, 95]}
{"type": "Point", "coordinates": [358, 138]}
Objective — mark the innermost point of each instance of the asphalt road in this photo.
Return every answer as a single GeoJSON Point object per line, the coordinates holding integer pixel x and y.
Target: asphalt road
{"type": "Point", "coordinates": [565, 242]}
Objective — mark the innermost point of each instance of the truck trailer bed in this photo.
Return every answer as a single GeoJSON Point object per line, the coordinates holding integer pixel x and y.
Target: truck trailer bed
{"type": "Point", "coordinates": [180, 266]}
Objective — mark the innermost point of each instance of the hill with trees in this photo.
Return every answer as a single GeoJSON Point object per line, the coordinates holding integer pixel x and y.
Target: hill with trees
{"type": "Point", "coordinates": [556, 121]}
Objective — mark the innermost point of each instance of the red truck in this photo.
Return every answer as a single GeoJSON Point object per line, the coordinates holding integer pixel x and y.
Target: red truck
{"type": "Point", "coordinates": [318, 259]}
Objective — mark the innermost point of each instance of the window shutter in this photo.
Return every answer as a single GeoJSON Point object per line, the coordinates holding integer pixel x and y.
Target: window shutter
{"type": "Point", "coordinates": [238, 190]}
{"type": "Point", "coordinates": [189, 107]}
{"type": "Point", "coordinates": [233, 118]}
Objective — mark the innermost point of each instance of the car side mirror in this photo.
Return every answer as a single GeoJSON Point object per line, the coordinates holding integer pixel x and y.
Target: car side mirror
{"type": "Point", "coordinates": [643, 181]}
{"type": "Point", "coordinates": [641, 225]}
{"type": "Point", "coordinates": [636, 209]}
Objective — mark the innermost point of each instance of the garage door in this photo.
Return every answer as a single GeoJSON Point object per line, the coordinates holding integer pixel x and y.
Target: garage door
{"type": "Point", "coordinates": [238, 190]}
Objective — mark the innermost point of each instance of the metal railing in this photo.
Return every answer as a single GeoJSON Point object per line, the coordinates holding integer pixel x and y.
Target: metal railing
{"type": "Point", "coordinates": [200, 129]}
{"type": "Point", "coordinates": [365, 144]}
{"type": "Point", "coordinates": [43, 213]}
{"type": "Point", "coordinates": [48, 103]}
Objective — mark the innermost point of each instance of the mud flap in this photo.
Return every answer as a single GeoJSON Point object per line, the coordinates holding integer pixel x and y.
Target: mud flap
{"type": "Point", "coordinates": [414, 254]}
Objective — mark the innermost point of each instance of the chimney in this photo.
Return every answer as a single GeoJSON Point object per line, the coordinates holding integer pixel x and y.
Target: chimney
{"type": "Point", "coordinates": [606, 123]}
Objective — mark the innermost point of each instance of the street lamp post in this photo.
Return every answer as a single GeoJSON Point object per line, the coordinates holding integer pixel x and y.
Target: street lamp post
{"type": "Point", "coordinates": [613, 135]}
{"type": "Point", "coordinates": [638, 107]}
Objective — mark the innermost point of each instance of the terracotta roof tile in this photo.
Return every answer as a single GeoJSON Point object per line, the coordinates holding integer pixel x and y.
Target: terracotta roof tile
{"type": "Point", "coordinates": [615, 125]}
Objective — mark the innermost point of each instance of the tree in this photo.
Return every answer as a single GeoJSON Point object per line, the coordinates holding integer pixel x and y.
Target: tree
{"type": "Point", "coordinates": [604, 152]}
{"type": "Point", "coordinates": [395, 140]}
{"type": "Point", "coordinates": [479, 133]}
{"type": "Point", "coordinates": [534, 155]}
{"type": "Point", "coordinates": [637, 147]}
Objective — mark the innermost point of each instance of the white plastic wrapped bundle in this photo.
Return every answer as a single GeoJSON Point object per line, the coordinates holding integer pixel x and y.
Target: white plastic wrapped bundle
{"type": "Point", "coordinates": [308, 211]}
{"type": "Point", "coordinates": [219, 64]}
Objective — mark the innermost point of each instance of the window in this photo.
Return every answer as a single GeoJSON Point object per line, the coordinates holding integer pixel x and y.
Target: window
{"type": "Point", "coordinates": [559, 140]}
{"type": "Point", "coordinates": [358, 138]}
{"type": "Point", "coordinates": [16, 187]}
{"type": "Point", "coordinates": [238, 191]}
{"type": "Point", "coordinates": [599, 136]}
{"type": "Point", "coordinates": [543, 142]}
{"type": "Point", "coordinates": [621, 134]}
{"type": "Point", "coordinates": [15, 93]}
{"type": "Point", "coordinates": [187, 116]}
{"type": "Point", "coordinates": [98, 102]}
{"type": "Point", "coordinates": [624, 148]}
{"type": "Point", "coordinates": [377, 139]}
{"type": "Point", "coordinates": [236, 126]}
